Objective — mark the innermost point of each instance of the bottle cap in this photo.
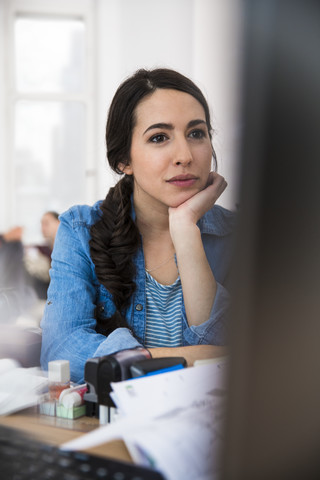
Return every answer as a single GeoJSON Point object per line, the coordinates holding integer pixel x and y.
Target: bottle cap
{"type": "Point", "coordinates": [59, 371]}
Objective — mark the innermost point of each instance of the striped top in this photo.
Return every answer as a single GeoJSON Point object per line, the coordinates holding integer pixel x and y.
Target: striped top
{"type": "Point", "coordinates": [164, 316]}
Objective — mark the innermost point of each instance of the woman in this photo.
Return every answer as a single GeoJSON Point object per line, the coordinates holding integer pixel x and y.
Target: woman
{"type": "Point", "coordinates": [148, 265]}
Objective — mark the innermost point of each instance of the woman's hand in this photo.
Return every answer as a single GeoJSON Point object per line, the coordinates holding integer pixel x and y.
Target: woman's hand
{"type": "Point", "coordinates": [198, 283]}
{"type": "Point", "coordinates": [195, 207]}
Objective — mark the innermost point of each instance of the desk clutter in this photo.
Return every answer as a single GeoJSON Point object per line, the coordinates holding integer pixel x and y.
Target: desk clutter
{"type": "Point", "coordinates": [169, 417]}
{"type": "Point", "coordinates": [55, 395]}
{"type": "Point", "coordinates": [171, 421]}
{"type": "Point", "coordinates": [64, 399]}
{"type": "Point", "coordinates": [69, 404]}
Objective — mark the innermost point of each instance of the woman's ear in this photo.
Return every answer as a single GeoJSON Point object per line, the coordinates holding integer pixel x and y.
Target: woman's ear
{"type": "Point", "coordinates": [125, 168]}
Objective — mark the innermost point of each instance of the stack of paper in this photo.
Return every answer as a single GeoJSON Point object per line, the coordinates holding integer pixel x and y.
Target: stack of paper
{"type": "Point", "coordinates": [171, 422]}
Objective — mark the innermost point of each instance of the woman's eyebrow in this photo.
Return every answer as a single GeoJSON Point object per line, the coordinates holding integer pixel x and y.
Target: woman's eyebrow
{"type": "Point", "coordinates": [169, 126]}
{"type": "Point", "coordinates": [166, 126]}
{"type": "Point", "coordinates": [198, 121]}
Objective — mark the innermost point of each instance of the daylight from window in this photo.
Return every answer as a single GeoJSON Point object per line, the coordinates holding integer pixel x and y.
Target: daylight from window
{"type": "Point", "coordinates": [49, 117]}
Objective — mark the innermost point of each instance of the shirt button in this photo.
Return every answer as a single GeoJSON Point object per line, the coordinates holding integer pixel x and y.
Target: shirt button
{"type": "Point", "coordinates": [139, 307]}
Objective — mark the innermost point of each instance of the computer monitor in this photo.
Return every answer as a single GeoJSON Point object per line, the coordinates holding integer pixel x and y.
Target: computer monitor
{"type": "Point", "coordinates": [273, 415]}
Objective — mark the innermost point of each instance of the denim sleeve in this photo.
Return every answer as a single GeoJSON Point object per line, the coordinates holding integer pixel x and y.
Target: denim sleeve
{"type": "Point", "coordinates": [214, 330]}
{"type": "Point", "coordinates": [68, 324]}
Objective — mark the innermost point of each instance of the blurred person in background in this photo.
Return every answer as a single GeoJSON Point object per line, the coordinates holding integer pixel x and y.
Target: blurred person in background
{"type": "Point", "coordinates": [37, 258]}
{"type": "Point", "coordinates": [24, 270]}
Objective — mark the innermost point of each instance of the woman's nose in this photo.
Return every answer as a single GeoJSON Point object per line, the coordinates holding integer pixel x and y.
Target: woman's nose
{"type": "Point", "coordinates": [182, 154]}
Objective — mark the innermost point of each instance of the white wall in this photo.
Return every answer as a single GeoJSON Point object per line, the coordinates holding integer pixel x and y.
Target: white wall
{"type": "Point", "coordinates": [200, 38]}
{"type": "Point", "coordinates": [2, 130]}
{"type": "Point", "coordinates": [216, 69]}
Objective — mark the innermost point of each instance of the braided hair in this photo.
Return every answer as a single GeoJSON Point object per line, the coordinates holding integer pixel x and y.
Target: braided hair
{"type": "Point", "coordinates": [115, 237]}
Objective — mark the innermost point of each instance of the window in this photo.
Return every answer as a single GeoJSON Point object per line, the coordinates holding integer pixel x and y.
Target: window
{"type": "Point", "coordinates": [50, 110]}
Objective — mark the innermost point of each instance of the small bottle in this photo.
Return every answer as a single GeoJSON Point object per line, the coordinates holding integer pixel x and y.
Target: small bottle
{"type": "Point", "coordinates": [59, 377]}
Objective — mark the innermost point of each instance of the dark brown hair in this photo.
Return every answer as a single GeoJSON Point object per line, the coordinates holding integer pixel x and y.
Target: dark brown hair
{"type": "Point", "coordinates": [53, 214]}
{"type": "Point", "coordinates": [115, 237]}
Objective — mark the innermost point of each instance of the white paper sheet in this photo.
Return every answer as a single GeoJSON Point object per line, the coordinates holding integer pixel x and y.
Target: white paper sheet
{"type": "Point", "coordinates": [157, 394]}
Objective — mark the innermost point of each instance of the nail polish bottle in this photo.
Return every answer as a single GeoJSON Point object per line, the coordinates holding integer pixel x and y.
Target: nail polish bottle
{"type": "Point", "coordinates": [59, 377]}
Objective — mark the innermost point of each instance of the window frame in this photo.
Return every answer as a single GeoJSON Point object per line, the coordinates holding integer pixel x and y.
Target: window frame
{"type": "Point", "coordinates": [78, 9]}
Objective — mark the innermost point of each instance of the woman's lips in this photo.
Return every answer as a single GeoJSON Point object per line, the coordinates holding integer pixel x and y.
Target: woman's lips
{"type": "Point", "coordinates": [182, 180]}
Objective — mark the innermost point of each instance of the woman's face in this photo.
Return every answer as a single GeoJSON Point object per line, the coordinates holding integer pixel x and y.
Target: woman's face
{"type": "Point", "coordinates": [170, 156]}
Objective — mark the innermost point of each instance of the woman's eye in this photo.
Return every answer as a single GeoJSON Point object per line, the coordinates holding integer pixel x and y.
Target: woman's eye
{"type": "Point", "coordinates": [197, 134]}
{"type": "Point", "coordinates": [159, 138]}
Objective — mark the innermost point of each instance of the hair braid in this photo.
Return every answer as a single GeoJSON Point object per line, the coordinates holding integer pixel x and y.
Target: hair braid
{"type": "Point", "coordinates": [114, 240]}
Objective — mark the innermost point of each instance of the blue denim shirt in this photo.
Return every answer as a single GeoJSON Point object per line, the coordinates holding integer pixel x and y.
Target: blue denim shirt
{"type": "Point", "coordinates": [75, 296]}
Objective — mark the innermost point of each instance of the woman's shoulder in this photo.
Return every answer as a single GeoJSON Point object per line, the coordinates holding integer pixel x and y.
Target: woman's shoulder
{"type": "Point", "coordinates": [218, 221]}
{"type": "Point", "coordinates": [82, 215]}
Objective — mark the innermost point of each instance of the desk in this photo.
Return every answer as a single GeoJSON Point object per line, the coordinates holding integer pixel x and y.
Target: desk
{"type": "Point", "coordinates": [55, 431]}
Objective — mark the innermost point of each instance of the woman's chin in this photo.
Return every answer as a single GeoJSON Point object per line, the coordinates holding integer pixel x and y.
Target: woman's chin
{"type": "Point", "coordinates": [179, 200]}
